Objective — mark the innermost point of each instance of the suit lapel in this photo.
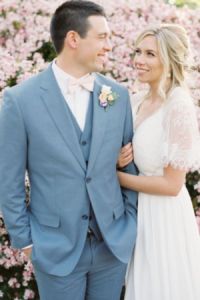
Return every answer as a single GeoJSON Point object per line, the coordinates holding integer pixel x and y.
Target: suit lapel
{"type": "Point", "coordinates": [59, 112]}
{"type": "Point", "coordinates": [99, 125]}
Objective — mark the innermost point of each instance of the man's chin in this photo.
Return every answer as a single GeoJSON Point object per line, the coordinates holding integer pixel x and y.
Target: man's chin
{"type": "Point", "coordinates": [97, 68]}
{"type": "Point", "coordinates": [100, 68]}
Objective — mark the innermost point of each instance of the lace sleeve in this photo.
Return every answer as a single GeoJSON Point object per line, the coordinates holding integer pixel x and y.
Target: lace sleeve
{"type": "Point", "coordinates": [181, 135]}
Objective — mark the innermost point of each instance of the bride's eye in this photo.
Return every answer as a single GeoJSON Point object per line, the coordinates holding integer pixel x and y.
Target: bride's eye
{"type": "Point", "coordinates": [151, 54]}
{"type": "Point", "coordinates": [137, 51]}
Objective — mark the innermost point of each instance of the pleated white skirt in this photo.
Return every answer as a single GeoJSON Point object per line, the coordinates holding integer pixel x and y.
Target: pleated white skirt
{"type": "Point", "coordinates": [166, 262]}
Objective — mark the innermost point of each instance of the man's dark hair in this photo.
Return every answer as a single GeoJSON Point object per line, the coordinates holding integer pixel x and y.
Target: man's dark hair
{"type": "Point", "coordinates": [72, 15]}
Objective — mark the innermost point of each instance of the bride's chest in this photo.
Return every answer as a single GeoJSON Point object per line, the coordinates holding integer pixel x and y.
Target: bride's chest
{"type": "Point", "coordinates": [149, 134]}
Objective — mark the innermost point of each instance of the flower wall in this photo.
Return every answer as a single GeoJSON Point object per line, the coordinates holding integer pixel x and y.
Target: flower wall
{"type": "Point", "coordinates": [25, 49]}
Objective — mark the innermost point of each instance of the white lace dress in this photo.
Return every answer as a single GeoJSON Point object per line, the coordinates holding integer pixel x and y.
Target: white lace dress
{"type": "Point", "coordinates": [166, 261]}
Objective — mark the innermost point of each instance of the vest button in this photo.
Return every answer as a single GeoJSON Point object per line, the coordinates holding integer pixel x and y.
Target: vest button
{"type": "Point", "coordinates": [88, 179]}
{"type": "Point", "coordinates": [84, 217]}
{"type": "Point", "coordinates": [83, 143]}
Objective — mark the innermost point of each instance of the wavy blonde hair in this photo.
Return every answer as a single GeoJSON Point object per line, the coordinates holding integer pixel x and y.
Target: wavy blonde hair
{"type": "Point", "coordinates": [173, 47]}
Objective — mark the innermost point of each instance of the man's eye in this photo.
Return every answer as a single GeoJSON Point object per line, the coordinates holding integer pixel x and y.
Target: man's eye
{"type": "Point", "coordinates": [102, 36]}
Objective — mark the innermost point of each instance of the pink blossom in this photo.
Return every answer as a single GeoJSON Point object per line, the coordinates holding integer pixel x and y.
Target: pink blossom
{"type": "Point", "coordinates": [198, 222]}
{"type": "Point", "coordinates": [29, 294]}
{"type": "Point", "coordinates": [197, 186]}
{"type": "Point", "coordinates": [13, 283]}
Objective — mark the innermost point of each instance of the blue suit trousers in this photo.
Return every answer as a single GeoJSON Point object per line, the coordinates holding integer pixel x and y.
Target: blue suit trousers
{"type": "Point", "coordinates": [99, 275]}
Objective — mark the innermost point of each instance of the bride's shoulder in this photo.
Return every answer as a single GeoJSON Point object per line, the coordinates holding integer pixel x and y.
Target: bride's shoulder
{"type": "Point", "coordinates": [137, 98]}
{"type": "Point", "coordinates": [179, 102]}
{"type": "Point", "coordinates": [179, 96]}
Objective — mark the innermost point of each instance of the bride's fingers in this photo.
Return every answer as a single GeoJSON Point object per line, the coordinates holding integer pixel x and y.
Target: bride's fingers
{"type": "Point", "coordinates": [127, 152]}
{"type": "Point", "coordinates": [127, 160]}
{"type": "Point", "coordinates": [126, 148]}
{"type": "Point", "coordinates": [125, 156]}
{"type": "Point", "coordinates": [128, 155]}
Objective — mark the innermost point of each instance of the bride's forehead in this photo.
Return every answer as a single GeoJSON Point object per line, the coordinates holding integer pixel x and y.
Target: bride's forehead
{"type": "Point", "coordinates": [148, 43]}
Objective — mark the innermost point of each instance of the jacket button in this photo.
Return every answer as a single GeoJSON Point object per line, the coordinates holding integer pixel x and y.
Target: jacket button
{"type": "Point", "coordinates": [84, 217]}
{"type": "Point", "coordinates": [88, 179]}
{"type": "Point", "coordinates": [83, 143]}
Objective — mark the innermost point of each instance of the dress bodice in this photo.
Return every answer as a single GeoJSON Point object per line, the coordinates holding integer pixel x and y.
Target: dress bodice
{"type": "Point", "coordinates": [148, 144]}
{"type": "Point", "coordinates": [169, 136]}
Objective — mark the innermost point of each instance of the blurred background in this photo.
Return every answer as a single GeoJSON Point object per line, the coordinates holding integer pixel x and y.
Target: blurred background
{"type": "Point", "coordinates": [26, 49]}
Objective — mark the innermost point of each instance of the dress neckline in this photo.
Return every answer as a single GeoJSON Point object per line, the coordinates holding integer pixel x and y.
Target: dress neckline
{"type": "Point", "coordinates": [148, 117]}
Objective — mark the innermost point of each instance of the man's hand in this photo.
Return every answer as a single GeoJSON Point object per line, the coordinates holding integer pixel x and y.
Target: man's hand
{"type": "Point", "coordinates": [27, 252]}
{"type": "Point", "coordinates": [125, 156]}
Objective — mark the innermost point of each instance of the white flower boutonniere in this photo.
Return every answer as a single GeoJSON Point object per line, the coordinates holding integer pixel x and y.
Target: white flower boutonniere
{"type": "Point", "coordinates": [107, 97]}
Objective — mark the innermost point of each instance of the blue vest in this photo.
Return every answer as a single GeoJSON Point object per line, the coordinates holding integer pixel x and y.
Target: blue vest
{"type": "Point", "coordinates": [85, 138]}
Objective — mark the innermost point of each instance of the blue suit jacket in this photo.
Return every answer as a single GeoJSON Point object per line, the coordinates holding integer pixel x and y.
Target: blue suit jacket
{"type": "Point", "coordinates": [37, 135]}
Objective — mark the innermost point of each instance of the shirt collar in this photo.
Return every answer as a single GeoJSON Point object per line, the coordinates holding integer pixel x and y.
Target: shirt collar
{"type": "Point", "coordinates": [62, 76]}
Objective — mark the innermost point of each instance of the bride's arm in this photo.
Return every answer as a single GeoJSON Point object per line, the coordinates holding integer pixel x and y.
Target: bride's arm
{"type": "Point", "coordinates": [168, 185]}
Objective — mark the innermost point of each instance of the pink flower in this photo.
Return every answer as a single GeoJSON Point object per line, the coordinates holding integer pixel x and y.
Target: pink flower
{"type": "Point", "coordinates": [29, 294]}
{"type": "Point", "coordinates": [13, 283]}
{"type": "Point", "coordinates": [198, 222]}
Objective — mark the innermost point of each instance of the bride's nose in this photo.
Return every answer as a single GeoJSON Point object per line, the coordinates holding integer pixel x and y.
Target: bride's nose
{"type": "Point", "coordinates": [139, 60]}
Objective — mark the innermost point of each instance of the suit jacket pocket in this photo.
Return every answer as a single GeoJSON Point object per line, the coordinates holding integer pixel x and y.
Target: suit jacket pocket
{"type": "Point", "coordinates": [118, 211]}
{"type": "Point", "coordinates": [114, 214]}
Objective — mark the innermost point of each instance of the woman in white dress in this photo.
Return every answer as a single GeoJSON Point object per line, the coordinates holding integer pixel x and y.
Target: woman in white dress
{"type": "Point", "coordinates": [166, 260]}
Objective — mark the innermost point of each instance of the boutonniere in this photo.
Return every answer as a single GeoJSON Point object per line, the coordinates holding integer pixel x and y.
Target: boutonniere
{"type": "Point", "coordinates": [107, 97]}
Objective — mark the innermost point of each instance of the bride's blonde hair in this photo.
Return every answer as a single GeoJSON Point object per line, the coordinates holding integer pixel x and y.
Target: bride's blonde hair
{"type": "Point", "coordinates": [173, 47]}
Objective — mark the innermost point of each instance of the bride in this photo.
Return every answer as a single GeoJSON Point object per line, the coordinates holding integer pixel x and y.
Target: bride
{"type": "Point", "coordinates": [166, 261]}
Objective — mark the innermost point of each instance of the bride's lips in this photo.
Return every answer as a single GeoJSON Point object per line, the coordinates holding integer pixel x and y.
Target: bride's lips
{"type": "Point", "coordinates": [141, 71]}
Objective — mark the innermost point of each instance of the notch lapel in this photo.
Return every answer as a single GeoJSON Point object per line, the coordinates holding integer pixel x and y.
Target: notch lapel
{"type": "Point", "coordinates": [99, 125]}
{"type": "Point", "coordinates": [59, 112]}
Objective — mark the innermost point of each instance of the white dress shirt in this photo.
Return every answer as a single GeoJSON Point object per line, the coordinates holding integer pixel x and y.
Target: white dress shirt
{"type": "Point", "coordinates": [79, 104]}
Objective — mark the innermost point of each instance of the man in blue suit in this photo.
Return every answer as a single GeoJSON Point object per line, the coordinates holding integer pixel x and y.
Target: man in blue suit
{"type": "Point", "coordinates": [65, 127]}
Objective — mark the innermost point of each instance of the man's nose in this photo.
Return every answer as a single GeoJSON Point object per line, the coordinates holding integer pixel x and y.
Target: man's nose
{"type": "Point", "coordinates": [108, 44]}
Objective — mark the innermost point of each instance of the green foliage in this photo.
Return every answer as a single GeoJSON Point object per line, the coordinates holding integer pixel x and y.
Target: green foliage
{"type": "Point", "coordinates": [48, 52]}
{"type": "Point", "coordinates": [192, 179]}
{"type": "Point", "coordinates": [12, 81]}
{"type": "Point", "coordinates": [189, 3]}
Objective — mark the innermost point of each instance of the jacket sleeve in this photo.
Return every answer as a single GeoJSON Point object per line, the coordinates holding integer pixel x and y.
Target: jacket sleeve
{"type": "Point", "coordinates": [130, 196]}
{"type": "Point", "coordinates": [13, 158]}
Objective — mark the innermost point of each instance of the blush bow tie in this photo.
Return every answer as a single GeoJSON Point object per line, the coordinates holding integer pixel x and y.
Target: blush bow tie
{"type": "Point", "coordinates": [86, 82]}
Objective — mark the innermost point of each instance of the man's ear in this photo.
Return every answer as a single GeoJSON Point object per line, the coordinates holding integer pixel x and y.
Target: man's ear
{"type": "Point", "coordinates": [72, 39]}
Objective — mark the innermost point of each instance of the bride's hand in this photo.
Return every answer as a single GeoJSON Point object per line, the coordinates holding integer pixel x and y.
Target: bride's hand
{"type": "Point", "coordinates": [125, 156]}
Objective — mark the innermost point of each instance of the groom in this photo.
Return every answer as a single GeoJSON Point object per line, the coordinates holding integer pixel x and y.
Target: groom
{"type": "Point", "coordinates": [65, 127]}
